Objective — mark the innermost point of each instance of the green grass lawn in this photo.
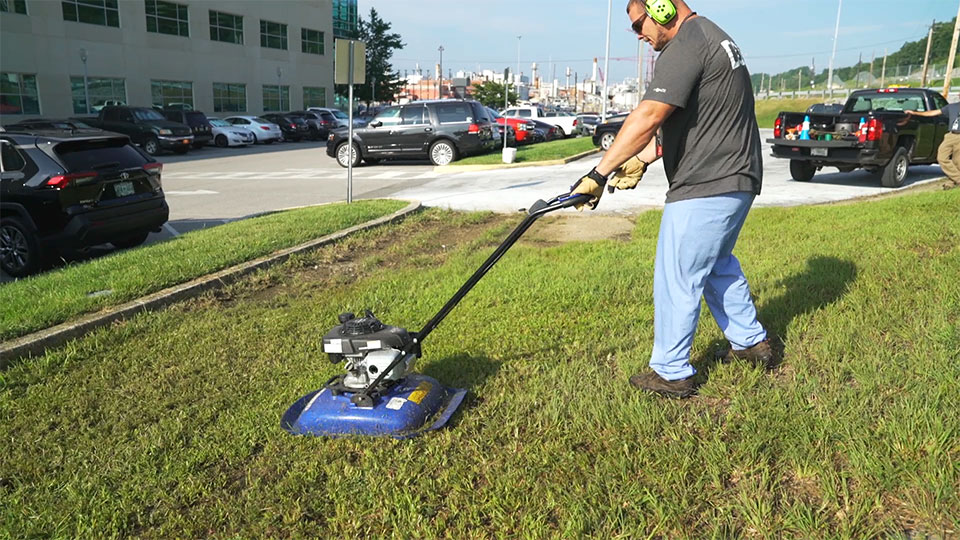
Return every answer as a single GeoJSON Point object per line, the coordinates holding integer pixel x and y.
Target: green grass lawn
{"type": "Point", "coordinates": [167, 425]}
{"type": "Point", "coordinates": [768, 109]}
{"type": "Point", "coordinates": [41, 301]}
{"type": "Point", "coordinates": [544, 151]}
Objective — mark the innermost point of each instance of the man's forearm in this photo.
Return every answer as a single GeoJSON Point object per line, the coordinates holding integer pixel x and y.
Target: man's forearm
{"type": "Point", "coordinates": [636, 134]}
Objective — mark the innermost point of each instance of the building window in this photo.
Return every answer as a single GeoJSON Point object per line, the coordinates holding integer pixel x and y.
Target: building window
{"type": "Point", "coordinates": [15, 6]}
{"type": "Point", "coordinates": [225, 27]}
{"type": "Point", "coordinates": [311, 41]}
{"type": "Point", "coordinates": [273, 35]}
{"type": "Point", "coordinates": [314, 96]}
{"type": "Point", "coordinates": [167, 18]}
{"type": "Point", "coordinates": [103, 91]}
{"type": "Point", "coordinates": [276, 98]}
{"type": "Point", "coordinates": [345, 22]}
{"type": "Point", "coordinates": [18, 93]}
{"type": "Point", "coordinates": [228, 97]}
{"type": "Point", "coordinates": [172, 93]}
{"type": "Point", "coordinates": [102, 12]}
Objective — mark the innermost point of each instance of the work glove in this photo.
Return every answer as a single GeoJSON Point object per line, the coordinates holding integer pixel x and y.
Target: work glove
{"type": "Point", "coordinates": [590, 184]}
{"type": "Point", "coordinates": [628, 175]}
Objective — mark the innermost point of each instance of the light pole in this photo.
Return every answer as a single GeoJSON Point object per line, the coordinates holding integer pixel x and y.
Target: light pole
{"type": "Point", "coordinates": [86, 92]}
{"type": "Point", "coordinates": [836, 33]}
{"type": "Point", "coordinates": [516, 75]}
{"type": "Point", "coordinates": [279, 93]}
{"type": "Point", "coordinates": [606, 64]}
{"type": "Point", "coordinates": [440, 75]}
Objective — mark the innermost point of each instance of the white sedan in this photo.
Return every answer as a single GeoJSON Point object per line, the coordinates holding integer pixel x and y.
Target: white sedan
{"type": "Point", "coordinates": [226, 134]}
{"type": "Point", "coordinates": [264, 131]}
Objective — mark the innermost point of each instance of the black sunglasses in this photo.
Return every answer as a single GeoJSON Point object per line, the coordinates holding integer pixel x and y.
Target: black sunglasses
{"type": "Point", "coordinates": [637, 25]}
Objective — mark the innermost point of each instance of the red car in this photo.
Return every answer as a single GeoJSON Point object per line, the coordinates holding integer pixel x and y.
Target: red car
{"type": "Point", "coordinates": [521, 126]}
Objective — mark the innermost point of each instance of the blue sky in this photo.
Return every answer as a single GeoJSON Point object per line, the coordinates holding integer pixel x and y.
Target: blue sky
{"type": "Point", "coordinates": [773, 35]}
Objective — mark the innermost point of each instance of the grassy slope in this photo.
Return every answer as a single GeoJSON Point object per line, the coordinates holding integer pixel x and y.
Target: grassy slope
{"type": "Point", "coordinates": [537, 152]}
{"type": "Point", "coordinates": [168, 425]}
{"type": "Point", "coordinates": [53, 297]}
{"type": "Point", "coordinates": [768, 109]}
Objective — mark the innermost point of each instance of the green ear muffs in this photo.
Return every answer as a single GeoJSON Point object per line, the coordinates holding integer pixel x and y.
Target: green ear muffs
{"type": "Point", "coordinates": [661, 11]}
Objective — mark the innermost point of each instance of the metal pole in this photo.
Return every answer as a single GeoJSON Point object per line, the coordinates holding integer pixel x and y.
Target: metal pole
{"type": "Point", "coordinates": [883, 70]}
{"type": "Point", "coordinates": [926, 56]}
{"type": "Point", "coordinates": [517, 74]}
{"type": "Point", "coordinates": [86, 91]}
{"type": "Point", "coordinates": [576, 92]}
{"type": "Point", "coordinates": [440, 75]}
{"type": "Point", "coordinates": [506, 104]}
{"type": "Point", "coordinates": [350, 128]}
{"type": "Point", "coordinates": [836, 34]}
{"type": "Point", "coordinates": [606, 63]}
{"type": "Point", "coordinates": [948, 76]}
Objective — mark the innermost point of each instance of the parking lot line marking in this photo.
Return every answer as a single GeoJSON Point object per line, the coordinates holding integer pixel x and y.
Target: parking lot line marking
{"type": "Point", "coordinates": [170, 229]}
{"type": "Point", "coordinates": [387, 175]}
{"type": "Point", "coordinates": [195, 192]}
{"type": "Point", "coordinates": [426, 175]}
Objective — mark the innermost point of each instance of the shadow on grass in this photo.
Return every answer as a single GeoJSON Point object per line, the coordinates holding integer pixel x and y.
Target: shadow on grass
{"type": "Point", "coordinates": [824, 281]}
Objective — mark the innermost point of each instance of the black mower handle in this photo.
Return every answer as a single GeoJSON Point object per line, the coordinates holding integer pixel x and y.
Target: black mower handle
{"type": "Point", "coordinates": [538, 209]}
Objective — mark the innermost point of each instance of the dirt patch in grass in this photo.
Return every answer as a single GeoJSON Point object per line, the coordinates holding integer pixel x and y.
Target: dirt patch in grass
{"type": "Point", "coordinates": [552, 230]}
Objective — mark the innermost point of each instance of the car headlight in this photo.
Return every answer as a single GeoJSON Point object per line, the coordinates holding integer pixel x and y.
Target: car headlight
{"type": "Point", "coordinates": [165, 132]}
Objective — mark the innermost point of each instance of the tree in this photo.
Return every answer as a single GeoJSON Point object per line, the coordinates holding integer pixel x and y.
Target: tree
{"type": "Point", "coordinates": [490, 93]}
{"type": "Point", "coordinates": [382, 83]}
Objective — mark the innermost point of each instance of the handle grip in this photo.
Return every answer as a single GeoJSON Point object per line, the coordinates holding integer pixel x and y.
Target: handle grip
{"type": "Point", "coordinates": [564, 200]}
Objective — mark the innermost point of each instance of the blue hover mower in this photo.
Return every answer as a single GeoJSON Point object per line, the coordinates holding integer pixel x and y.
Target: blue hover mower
{"type": "Point", "coordinates": [379, 396]}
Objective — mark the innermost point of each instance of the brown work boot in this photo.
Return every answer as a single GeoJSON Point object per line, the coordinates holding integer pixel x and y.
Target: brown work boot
{"type": "Point", "coordinates": [651, 382]}
{"type": "Point", "coordinates": [760, 354]}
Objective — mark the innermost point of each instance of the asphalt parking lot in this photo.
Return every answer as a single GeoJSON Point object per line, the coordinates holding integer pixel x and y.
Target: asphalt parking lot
{"type": "Point", "coordinates": [212, 186]}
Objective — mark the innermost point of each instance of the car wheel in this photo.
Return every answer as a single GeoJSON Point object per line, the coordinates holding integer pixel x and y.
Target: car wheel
{"type": "Point", "coordinates": [560, 134]}
{"type": "Point", "coordinates": [221, 141]}
{"type": "Point", "coordinates": [151, 146]}
{"type": "Point", "coordinates": [606, 140]}
{"type": "Point", "coordinates": [802, 171]}
{"type": "Point", "coordinates": [443, 153]}
{"type": "Point", "coordinates": [133, 240]}
{"type": "Point", "coordinates": [343, 155]}
{"type": "Point", "coordinates": [895, 172]}
{"type": "Point", "coordinates": [19, 248]}
{"type": "Point", "coordinates": [255, 141]}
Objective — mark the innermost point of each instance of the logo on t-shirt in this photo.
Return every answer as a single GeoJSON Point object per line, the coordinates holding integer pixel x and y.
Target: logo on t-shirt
{"type": "Point", "coordinates": [736, 59]}
{"type": "Point", "coordinates": [955, 127]}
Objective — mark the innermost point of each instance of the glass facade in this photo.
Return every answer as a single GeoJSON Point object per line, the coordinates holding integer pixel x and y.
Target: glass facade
{"type": "Point", "coordinates": [345, 23]}
{"type": "Point", "coordinates": [14, 6]}
{"type": "Point", "coordinates": [18, 93]}
{"type": "Point", "coordinates": [276, 98]}
{"type": "Point", "coordinates": [229, 97]}
{"type": "Point", "coordinates": [226, 27]}
{"type": "Point", "coordinates": [314, 96]}
{"type": "Point", "coordinates": [102, 12]}
{"type": "Point", "coordinates": [172, 93]}
{"type": "Point", "coordinates": [102, 90]}
{"type": "Point", "coordinates": [311, 41]}
{"type": "Point", "coordinates": [273, 35]}
{"type": "Point", "coordinates": [167, 18]}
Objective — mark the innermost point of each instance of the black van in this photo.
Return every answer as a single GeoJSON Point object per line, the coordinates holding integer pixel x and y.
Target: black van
{"type": "Point", "coordinates": [199, 125]}
{"type": "Point", "coordinates": [441, 130]}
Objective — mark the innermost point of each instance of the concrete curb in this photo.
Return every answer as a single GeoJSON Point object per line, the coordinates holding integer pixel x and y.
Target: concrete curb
{"type": "Point", "coordinates": [38, 342]}
{"type": "Point", "coordinates": [467, 168]}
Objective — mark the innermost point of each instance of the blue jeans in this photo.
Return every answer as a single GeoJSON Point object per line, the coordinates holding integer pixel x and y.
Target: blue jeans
{"type": "Point", "coordinates": [694, 258]}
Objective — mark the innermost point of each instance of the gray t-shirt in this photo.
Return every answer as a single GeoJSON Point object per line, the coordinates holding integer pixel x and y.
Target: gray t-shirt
{"type": "Point", "coordinates": [711, 143]}
{"type": "Point", "coordinates": [953, 116]}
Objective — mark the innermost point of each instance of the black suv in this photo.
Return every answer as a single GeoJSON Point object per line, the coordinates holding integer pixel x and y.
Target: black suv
{"type": "Point", "coordinates": [293, 127]}
{"type": "Point", "coordinates": [60, 189]}
{"type": "Point", "coordinates": [442, 130]}
{"type": "Point", "coordinates": [199, 125]}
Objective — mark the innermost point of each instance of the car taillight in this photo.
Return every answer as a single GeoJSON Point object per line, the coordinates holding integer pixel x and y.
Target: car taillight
{"type": "Point", "coordinates": [777, 128]}
{"type": "Point", "coordinates": [153, 168]}
{"type": "Point", "coordinates": [61, 181]}
{"type": "Point", "coordinates": [474, 128]}
{"type": "Point", "coordinates": [265, 128]}
{"type": "Point", "coordinates": [574, 122]}
{"type": "Point", "coordinates": [874, 129]}
{"type": "Point", "coordinates": [293, 126]}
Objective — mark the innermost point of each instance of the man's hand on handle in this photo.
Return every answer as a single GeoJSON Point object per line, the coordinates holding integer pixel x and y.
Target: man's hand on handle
{"type": "Point", "coordinates": [590, 184]}
{"type": "Point", "coordinates": [628, 175]}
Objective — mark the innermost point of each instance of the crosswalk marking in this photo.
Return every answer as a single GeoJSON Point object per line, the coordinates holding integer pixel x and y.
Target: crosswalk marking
{"type": "Point", "coordinates": [303, 174]}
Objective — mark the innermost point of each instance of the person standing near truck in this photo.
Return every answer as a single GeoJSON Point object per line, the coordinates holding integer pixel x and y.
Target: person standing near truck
{"type": "Point", "coordinates": [948, 155]}
{"type": "Point", "coordinates": [702, 99]}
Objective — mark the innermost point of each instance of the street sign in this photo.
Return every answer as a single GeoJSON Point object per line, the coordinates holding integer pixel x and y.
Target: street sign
{"type": "Point", "coordinates": [342, 65]}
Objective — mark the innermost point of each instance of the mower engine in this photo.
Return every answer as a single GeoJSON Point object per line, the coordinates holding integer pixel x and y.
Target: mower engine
{"type": "Point", "coordinates": [368, 347]}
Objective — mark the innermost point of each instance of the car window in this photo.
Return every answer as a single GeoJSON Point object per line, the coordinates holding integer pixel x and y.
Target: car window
{"type": "Point", "coordinates": [10, 157]}
{"type": "Point", "coordinates": [261, 120]}
{"type": "Point", "coordinates": [147, 114]}
{"type": "Point", "coordinates": [524, 113]}
{"type": "Point", "coordinates": [194, 118]}
{"type": "Point", "coordinates": [327, 117]}
{"type": "Point", "coordinates": [340, 114]}
{"type": "Point", "coordinates": [219, 123]}
{"type": "Point", "coordinates": [93, 154]}
{"type": "Point", "coordinates": [449, 113]}
{"type": "Point", "coordinates": [389, 116]}
{"type": "Point", "coordinates": [411, 115]}
{"type": "Point", "coordinates": [938, 101]}
{"type": "Point", "coordinates": [510, 113]}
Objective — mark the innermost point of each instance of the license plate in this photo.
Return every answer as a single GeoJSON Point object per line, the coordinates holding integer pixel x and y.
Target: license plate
{"type": "Point", "coordinates": [122, 189]}
{"type": "Point", "coordinates": [820, 152]}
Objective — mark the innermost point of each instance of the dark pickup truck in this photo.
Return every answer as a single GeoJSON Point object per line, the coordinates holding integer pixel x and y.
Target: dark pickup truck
{"type": "Point", "coordinates": [873, 132]}
{"type": "Point", "coordinates": [146, 127]}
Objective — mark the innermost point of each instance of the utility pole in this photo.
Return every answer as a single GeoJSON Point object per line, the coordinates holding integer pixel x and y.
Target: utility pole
{"type": "Point", "coordinates": [440, 75]}
{"type": "Point", "coordinates": [606, 64]}
{"type": "Point", "coordinates": [836, 34]}
{"type": "Point", "coordinates": [859, 61]}
{"type": "Point", "coordinates": [948, 76]}
{"type": "Point", "coordinates": [517, 74]}
{"type": "Point", "coordinates": [873, 56]}
{"type": "Point", "coordinates": [883, 70]}
{"type": "Point", "coordinates": [926, 56]}
{"type": "Point", "coordinates": [576, 93]}
{"type": "Point", "coordinates": [762, 75]}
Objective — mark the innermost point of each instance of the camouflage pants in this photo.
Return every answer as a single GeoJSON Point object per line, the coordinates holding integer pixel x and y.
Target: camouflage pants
{"type": "Point", "coordinates": [948, 156]}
